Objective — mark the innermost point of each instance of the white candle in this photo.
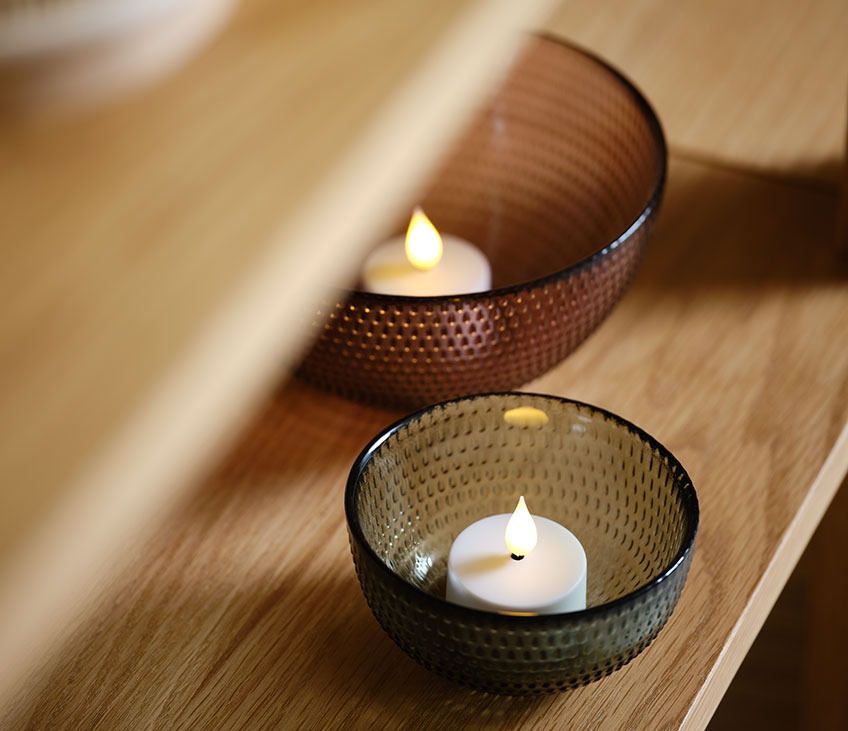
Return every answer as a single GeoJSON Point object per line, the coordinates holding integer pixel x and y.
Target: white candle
{"type": "Point", "coordinates": [484, 574]}
{"type": "Point", "coordinates": [426, 264]}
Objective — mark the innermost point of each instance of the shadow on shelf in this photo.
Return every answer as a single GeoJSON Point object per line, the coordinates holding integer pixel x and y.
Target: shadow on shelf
{"type": "Point", "coordinates": [721, 228]}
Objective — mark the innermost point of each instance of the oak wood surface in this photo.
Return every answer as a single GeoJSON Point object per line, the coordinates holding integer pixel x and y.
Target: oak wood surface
{"type": "Point", "coordinates": [730, 348]}
{"type": "Point", "coordinates": [154, 252]}
{"type": "Point", "coordinates": [244, 612]}
{"type": "Point", "coordinates": [743, 83]}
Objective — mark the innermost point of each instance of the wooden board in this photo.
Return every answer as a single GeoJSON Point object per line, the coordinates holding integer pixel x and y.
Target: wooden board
{"type": "Point", "coordinates": [737, 82]}
{"type": "Point", "coordinates": [159, 255]}
{"type": "Point", "coordinates": [731, 348]}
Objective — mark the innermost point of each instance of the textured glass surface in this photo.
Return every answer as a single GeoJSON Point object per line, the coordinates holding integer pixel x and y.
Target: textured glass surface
{"type": "Point", "coordinates": [624, 496]}
{"type": "Point", "coordinates": [558, 182]}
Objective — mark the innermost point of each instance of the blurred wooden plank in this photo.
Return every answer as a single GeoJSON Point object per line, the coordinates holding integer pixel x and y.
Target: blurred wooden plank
{"type": "Point", "coordinates": [244, 611]}
{"type": "Point", "coordinates": [158, 253]}
{"type": "Point", "coordinates": [738, 82]}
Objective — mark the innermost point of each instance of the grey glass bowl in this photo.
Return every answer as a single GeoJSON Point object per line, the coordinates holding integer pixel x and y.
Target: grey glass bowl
{"type": "Point", "coordinates": [420, 482]}
{"type": "Point", "coordinates": [558, 180]}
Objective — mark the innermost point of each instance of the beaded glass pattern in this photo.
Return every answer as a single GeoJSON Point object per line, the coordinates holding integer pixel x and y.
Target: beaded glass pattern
{"type": "Point", "coordinates": [558, 181]}
{"type": "Point", "coordinates": [425, 479]}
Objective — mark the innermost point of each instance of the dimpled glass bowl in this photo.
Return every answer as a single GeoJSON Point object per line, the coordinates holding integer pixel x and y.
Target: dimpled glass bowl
{"type": "Point", "coordinates": [423, 480]}
{"type": "Point", "coordinates": [558, 181]}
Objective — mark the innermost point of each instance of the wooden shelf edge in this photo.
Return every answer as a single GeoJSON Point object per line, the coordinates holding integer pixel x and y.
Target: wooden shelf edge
{"type": "Point", "coordinates": [789, 551]}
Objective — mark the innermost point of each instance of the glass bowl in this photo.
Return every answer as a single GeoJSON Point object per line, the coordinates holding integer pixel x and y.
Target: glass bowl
{"type": "Point", "coordinates": [422, 481]}
{"type": "Point", "coordinates": [558, 182]}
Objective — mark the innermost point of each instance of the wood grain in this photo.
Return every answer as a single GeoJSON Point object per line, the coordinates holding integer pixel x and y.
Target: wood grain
{"type": "Point", "coordinates": [244, 611]}
{"type": "Point", "coordinates": [141, 242]}
{"type": "Point", "coordinates": [736, 82]}
{"type": "Point", "coordinates": [156, 253]}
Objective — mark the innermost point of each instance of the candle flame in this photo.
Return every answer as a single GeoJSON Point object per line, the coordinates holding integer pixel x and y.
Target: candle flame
{"type": "Point", "coordinates": [520, 534]}
{"type": "Point", "coordinates": [423, 242]}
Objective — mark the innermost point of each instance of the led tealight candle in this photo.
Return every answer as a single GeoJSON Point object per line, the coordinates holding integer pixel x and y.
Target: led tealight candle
{"type": "Point", "coordinates": [517, 564]}
{"type": "Point", "coordinates": [426, 264]}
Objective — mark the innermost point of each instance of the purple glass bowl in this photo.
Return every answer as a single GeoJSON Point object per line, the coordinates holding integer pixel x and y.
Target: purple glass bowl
{"type": "Point", "coordinates": [558, 181]}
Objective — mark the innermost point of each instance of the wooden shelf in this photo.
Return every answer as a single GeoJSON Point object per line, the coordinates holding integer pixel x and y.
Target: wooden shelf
{"type": "Point", "coordinates": [731, 348]}
{"type": "Point", "coordinates": [734, 83]}
{"type": "Point", "coordinates": [160, 255]}
{"type": "Point", "coordinates": [243, 609]}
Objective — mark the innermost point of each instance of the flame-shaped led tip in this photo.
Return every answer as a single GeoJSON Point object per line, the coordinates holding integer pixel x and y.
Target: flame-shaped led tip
{"type": "Point", "coordinates": [423, 242]}
{"type": "Point", "coordinates": [520, 534]}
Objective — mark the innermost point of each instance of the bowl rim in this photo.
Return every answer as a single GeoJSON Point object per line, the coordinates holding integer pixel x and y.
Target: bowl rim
{"type": "Point", "coordinates": [588, 261]}
{"type": "Point", "coordinates": [689, 500]}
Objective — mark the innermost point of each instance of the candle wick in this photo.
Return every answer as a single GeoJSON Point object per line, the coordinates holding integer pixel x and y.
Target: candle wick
{"type": "Point", "coordinates": [515, 558]}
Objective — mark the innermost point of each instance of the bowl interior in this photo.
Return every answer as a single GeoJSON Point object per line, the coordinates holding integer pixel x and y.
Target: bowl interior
{"type": "Point", "coordinates": [558, 181]}
{"type": "Point", "coordinates": [563, 159]}
{"type": "Point", "coordinates": [625, 498]}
